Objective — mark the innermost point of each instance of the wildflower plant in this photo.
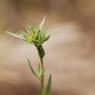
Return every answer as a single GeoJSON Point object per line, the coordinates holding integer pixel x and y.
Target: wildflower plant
{"type": "Point", "coordinates": [37, 36]}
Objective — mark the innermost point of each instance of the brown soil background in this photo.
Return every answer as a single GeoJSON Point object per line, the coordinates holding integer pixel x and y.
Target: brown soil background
{"type": "Point", "coordinates": [70, 52]}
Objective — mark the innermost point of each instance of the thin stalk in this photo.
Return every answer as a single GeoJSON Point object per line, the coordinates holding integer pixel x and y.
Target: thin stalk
{"type": "Point", "coordinates": [42, 77]}
{"type": "Point", "coordinates": [41, 55]}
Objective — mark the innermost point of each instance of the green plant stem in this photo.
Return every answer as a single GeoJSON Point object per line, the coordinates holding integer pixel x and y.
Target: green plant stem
{"type": "Point", "coordinates": [42, 77]}
{"type": "Point", "coordinates": [41, 55]}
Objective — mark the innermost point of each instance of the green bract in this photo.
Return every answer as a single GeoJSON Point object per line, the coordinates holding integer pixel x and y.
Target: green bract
{"type": "Point", "coordinates": [33, 35]}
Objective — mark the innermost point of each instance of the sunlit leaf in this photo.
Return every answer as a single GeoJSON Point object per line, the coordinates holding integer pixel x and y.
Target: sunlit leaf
{"type": "Point", "coordinates": [16, 35]}
{"type": "Point", "coordinates": [42, 23]}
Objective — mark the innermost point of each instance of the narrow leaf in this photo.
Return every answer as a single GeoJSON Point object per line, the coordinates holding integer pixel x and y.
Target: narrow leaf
{"type": "Point", "coordinates": [42, 23]}
{"type": "Point", "coordinates": [45, 39]}
{"type": "Point", "coordinates": [31, 68]}
{"type": "Point", "coordinates": [48, 88]}
{"type": "Point", "coordinates": [16, 35]}
{"type": "Point", "coordinates": [40, 71]}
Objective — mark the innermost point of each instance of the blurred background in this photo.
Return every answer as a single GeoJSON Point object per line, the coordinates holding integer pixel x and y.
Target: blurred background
{"type": "Point", "coordinates": [70, 52]}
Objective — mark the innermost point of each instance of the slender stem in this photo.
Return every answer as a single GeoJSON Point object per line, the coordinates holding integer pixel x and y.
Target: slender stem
{"type": "Point", "coordinates": [41, 55]}
{"type": "Point", "coordinates": [42, 77]}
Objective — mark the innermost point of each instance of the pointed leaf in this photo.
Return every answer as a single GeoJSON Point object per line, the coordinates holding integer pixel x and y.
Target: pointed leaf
{"type": "Point", "coordinates": [46, 38]}
{"type": "Point", "coordinates": [48, 88]}
{"type": "Point", "coordinates": [31, 68]}
{"type": "Point", "coordinates": [42, 23]}
{"type": "Point", "coordinates": [16, 35]}
{"type": "Point", "coordinates": [29, 28]}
